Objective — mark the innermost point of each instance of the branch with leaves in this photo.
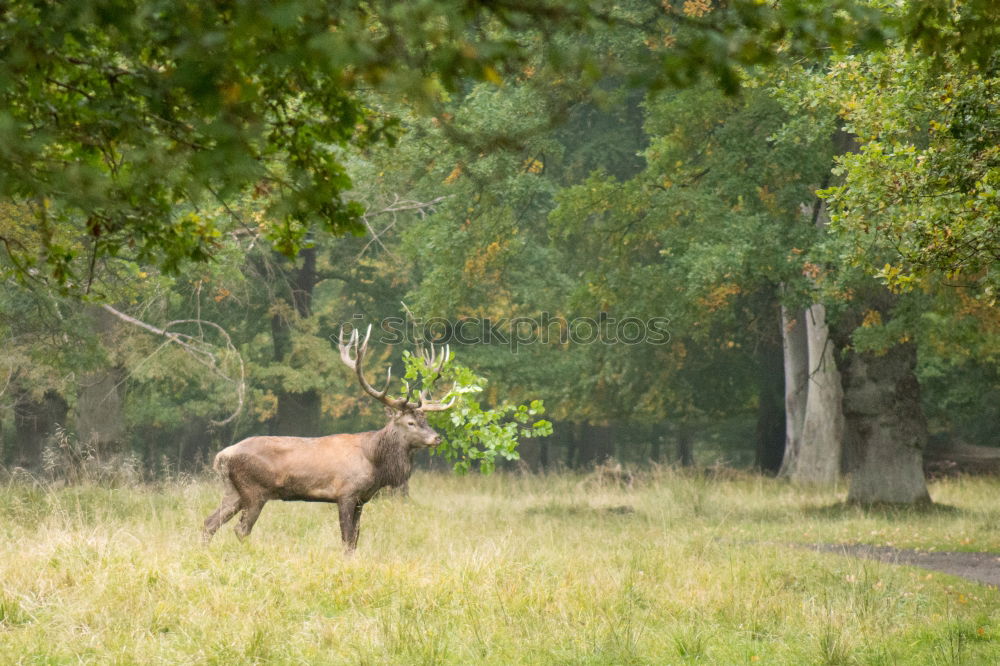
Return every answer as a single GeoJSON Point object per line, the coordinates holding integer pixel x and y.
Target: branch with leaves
{"type": "Point", "coordinates": [472, 434]}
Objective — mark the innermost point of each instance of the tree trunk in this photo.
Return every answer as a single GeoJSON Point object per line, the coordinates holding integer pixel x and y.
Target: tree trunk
{"type": "Point", "coordinates": [796, 356]}
{"type": "Point", "coordinates": [100, 399]}
{"type": "Point", "coordinates": [813, 399]}
{"type": "Point", "coordinates": [885, 425]}
{"type": "Point", "coordinates": [685, 446]}
{"type": "Point", "coordinates": [819, 453]}
{"type": "Point", "coordinates": [34, 422]}
{"type": "Point", "coordinates": [573, 431]}
{"type": "Point", "coordinates": [656, 445]}
{"type": "Point", "coordinates": [817, 439]}
{"type": "Point", "coordinates": [193, 444]}
{"type": "Point", "coordinates": [298, 413]}
{"type": "Point", "coordinates": [770, 431]}
{"type": "Point", "coordinates": [593, 445]}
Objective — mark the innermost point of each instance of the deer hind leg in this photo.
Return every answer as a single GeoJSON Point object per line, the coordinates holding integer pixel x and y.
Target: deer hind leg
{"type": "Point", "coordinates": [252, 507]}
{"type": "Point", "coordinates": [350, 519]}
{"type": "Point", "coordinates": [227, 509]}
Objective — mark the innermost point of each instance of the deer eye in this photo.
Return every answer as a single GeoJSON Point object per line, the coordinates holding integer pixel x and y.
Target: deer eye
{"type": "Point", "coordinates": [410, 423]}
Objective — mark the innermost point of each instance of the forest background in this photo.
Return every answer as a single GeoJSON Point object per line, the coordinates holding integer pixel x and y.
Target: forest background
{"type": "Point", "coordinates": [800, 199]}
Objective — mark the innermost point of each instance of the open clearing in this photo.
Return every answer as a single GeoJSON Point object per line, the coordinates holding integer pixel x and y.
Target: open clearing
{"type": "Point", "coordinates": [505, 569]}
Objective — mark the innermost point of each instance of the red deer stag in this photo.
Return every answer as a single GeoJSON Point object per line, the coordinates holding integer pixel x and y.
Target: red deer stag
{"type": "Point", "coordinates": [347, 469]}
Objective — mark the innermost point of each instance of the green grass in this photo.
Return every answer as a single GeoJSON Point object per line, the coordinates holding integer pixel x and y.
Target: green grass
{"type": "Point", "coordinates": [501, 570]}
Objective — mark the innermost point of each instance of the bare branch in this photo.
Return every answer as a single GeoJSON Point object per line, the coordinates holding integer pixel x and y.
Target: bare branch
{"type": "Point", "coordinates": [199, 351]}
{"type": "Point", "coordinates": [422, 208]}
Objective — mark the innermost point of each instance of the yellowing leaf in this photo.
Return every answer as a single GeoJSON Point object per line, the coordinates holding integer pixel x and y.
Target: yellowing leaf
{"type": "Point", "coordinates": [872, 318]}
{"type": "Point", "coordinates": [697, 8]}
{"type": "Point", "coordinates": [492, 75]}
{"type": "Point", "coordinates": [453, 176]}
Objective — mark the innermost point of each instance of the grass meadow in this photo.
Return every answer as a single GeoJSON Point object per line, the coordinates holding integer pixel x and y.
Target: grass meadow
{"type": "Point", "coordinates": [505, 569]}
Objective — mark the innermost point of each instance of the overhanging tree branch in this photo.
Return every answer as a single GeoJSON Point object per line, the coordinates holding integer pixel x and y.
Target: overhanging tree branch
{"type": "Point", "coordinates": [199, 350]}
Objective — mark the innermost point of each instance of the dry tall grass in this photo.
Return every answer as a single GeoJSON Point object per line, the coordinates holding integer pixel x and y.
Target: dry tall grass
{"type": "Point", "coordinates": [503, 570]}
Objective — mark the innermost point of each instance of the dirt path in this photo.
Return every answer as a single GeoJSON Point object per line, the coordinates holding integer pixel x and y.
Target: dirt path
{"type": "Point", "coordinates": [979, 567]}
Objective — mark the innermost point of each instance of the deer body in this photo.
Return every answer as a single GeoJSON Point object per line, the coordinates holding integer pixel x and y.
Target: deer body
{"type": "Point", "coordinates": [347, 469]}
{"type": "Point", "coordinates": [322, 469]}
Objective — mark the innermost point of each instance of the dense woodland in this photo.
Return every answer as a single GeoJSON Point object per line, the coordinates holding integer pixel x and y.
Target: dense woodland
{"type": "Point", "coordinates": [196, 196]}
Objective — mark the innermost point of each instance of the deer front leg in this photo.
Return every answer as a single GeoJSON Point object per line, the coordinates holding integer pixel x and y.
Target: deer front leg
{"type": "Point", "coordinates": [357, 524]}
{"type": "Point", "coordinates": [350, 517]}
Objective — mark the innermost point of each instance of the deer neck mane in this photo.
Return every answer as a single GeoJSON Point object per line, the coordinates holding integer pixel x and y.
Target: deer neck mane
{"type": "Point", "coordinates": [391, 457]}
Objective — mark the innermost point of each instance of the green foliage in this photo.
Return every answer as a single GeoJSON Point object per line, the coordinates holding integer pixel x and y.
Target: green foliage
{"type": "Point", "coordinates": [140, 139]}
{"type": "Point", "coordinates": [471, 434]}
{"type": "Point", "coordinates": [122, 120]}
{"type": "Point", "coordinates": [920, 195]}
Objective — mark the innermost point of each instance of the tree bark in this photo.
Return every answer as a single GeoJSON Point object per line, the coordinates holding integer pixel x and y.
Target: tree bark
{"type": "Point", "coordinates": [815, 440]}
{"type": "Point", "coordinates": [572, 443]}
{"type": "Point", "coordinates": [885, 426]}
{"type": "Point", "coordinates": [813, 399]}
{"type": "Point", "coordinates": [818, 459]}
{"type": "Point", "coordinates": [795, 347]}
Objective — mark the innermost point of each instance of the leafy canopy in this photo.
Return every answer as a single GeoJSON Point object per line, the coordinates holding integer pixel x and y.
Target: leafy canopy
{"type": "Point", "coordinates": [121, 121]}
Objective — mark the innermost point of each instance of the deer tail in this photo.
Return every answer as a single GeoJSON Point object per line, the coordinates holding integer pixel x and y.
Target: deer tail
{"type": "Point", "coordinates": [221, 466]}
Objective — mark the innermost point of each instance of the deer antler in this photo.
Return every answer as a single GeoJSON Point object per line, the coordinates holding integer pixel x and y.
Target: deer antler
{"type": "Point", "coordinates": [435, 362]}
{"type": "Point", "coordinates": [356, 364]}
{"type": "Point", "coordinates": [355, 361]}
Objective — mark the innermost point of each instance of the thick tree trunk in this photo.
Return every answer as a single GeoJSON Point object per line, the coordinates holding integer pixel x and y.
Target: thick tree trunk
{"type": "Point", "coordinates": [818, 459]}
{"type": "Point", "coordinates": [885, 426]}
{"type": "Point", "coordinates": [816, 441]}
{"type": "Point", "coordinates": [796, 356]}
{"type": "Point", "coordinates": [813, 399]}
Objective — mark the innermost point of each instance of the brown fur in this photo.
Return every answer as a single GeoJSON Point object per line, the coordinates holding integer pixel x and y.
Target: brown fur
{"type": "Point", "coordinates": [346, 469]}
